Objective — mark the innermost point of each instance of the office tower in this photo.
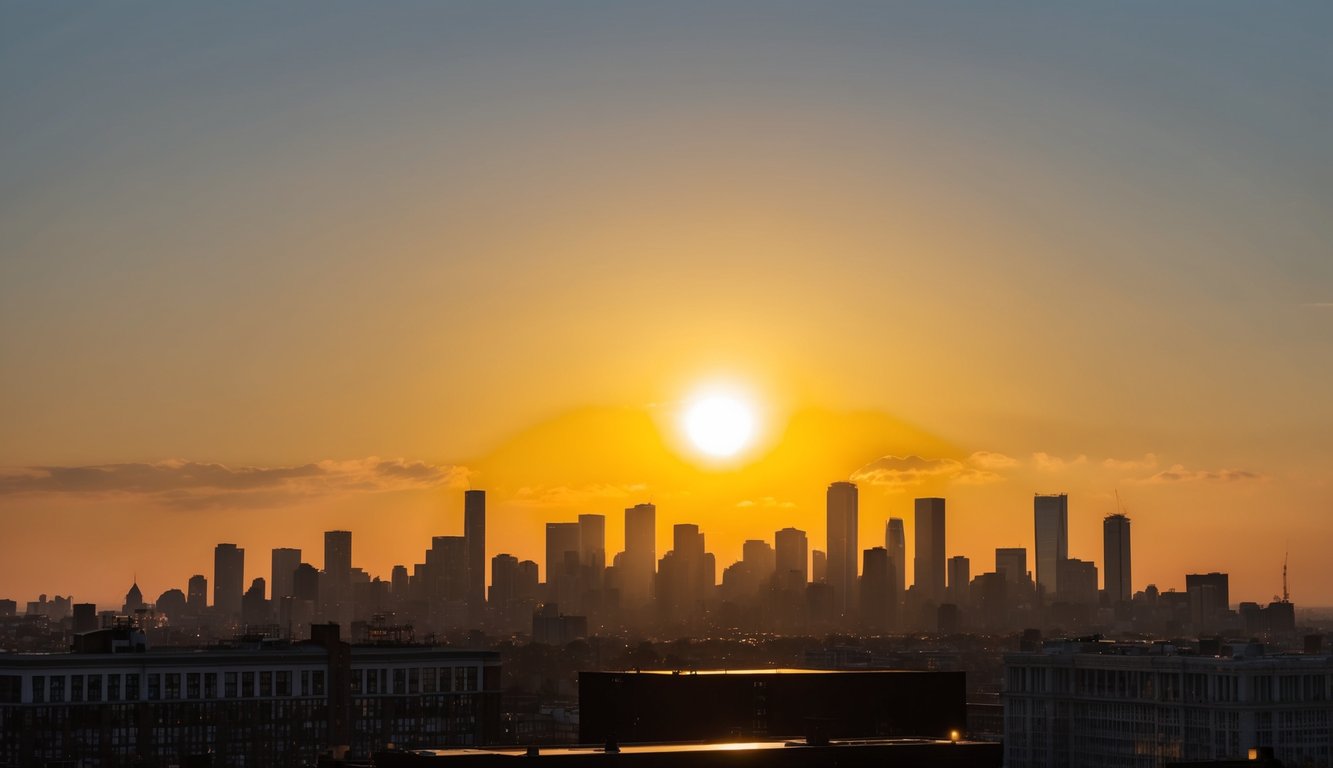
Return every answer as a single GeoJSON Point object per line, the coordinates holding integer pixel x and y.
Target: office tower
{"type": "Point", "coordinates": [895, 541]}
{"type": "Point", "coordinates": [400, 582]}
{"type": "Point", "coordinates": [1077, 581]}
{"type": "Point", "coordinates": [791, 555]}
{"type": "Point", "coordinates": [960, 577]}
{"type": "Point", "coordinates": [133, 599]}
{"type": "Point", "coordinates": [285, 560]}
{"type": "Point", "coordinates": [563, 585]}
{"type": "Point", "coordinates": [504, 580]}
{"type": "Point", "coordinates": [1116, 554]}
{"type": "Point", "coordinates": [877, 594]}
{"type": "Point", "coordinates": [254, 608]}
{"type": "Point", "coordinates": [85, 617]}
{"type": "Point", "coordinates": [1013, 563]}
{"type": "Point", "coordinates": [474, 531]}
{"type": "Point", "coordinates": [685, 575]}
{"type": "Point", "coordinates": [760, 558]}
{"type": "Point", "coordinates": [640, 556]}
{"type": "Point", "coordinates": [447, 582]}
{"type": "Point", "coordinates": [196, 594]}
{"type": "Point", "coordinates": [592, 550]}
{"type": "Point", "coordinates": [1209, 599]}
{"type": "Point", "coordinates": [305, 583]}
{"type": "Point", "coordinates": [842, 546]}
{"type": "Point", "coordinates": [228, 580]}
{"type": "Point", "coordinates": [928, 563]}
{"type": "Point", "coordinates": [1051, 516]}
{"type": "Point", "coordinates": [336, 587]}
{"type": "Point", "coordinates": [818, 566]}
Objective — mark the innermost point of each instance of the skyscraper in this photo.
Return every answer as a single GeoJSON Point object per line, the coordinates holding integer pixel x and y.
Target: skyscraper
{"type": "Point", "coordinates": [928, 563]}
{"type": "Point", "coordinates": [228, 580]}
{"type": "Point", "coordinates": [1051, 516]}
{"type": "Point", "coordinates": [960, 577]}
{"type": "Point", "coordinates": [895, 541]}
{"type": "Point", "coordinates": [640, 556]}
{"type": "Point", "coordinates": [285, 560]}
{"type": "Point", "coordinates": [878, 599]}
{"type": "Point", "coordinates": [1115, 548]}
{"type": "Point", "coordinates": [792, 556]}
{"type": "Point", "coordinates": [842, 546]}
{"type": "Point", "coordinates": [562, 565]}
{"type": "Point", "coordinates": [1012, 562]}
{"type": "Point", "coordinates": [592, 549]}
{"type": "Point", "coordinates": [337, 599]}
{"type": "Point", "coordinates": [474, 532]}
{"type": "Point", "coordinates": [196, 594]}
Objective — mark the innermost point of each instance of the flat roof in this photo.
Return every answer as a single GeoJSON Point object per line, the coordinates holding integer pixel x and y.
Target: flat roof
{"type": "Point", "coordinates": [780, 671]}
{"type": "Point", "coordinates": [670, 747]}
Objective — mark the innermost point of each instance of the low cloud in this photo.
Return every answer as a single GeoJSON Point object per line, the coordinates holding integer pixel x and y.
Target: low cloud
{"type": "Point", "coordinates": [899, 472]}
{"type": "Point", "coordinates": [190, 484]}
{"type": "Point", "coordinates": [1149, 461]}
{"type": "Point", "coordinates": [1179, 474]}
{"type": "Point", "coordinates": [992, 460]}
{"type": "Point", "coordinates": [767, 502]}
{"type": "Point", "coordinates": [566, 496]}
{"type": "Point", "coordinates": [1048, 463]}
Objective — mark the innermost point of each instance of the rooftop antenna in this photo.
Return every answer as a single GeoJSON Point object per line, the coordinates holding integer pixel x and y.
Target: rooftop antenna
{"type": "Point", "coordinates": [1286, 598]}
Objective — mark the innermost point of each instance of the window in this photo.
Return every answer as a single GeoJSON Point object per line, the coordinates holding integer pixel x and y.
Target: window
{"type": "Point", "coordinates": [113, 687]}
{"type": "Point", "coordinates": [229, 684]}
{"type": "Point", "coordinates": [414, 680]}
{"type": "Point", "coordinates": [399, 682]}
{"type": "Point", "coordinates": [284, 679]}
{"type": "Point", "coordinates": [210, 685]}
{"type": "Point", "coordinates": [154, 687]}
{"type": "Point", "coordinates": [266, 684]}
{"type": "Point", "coordinates": [132, 687]}
{"type": "Point", "coordinates": [192, 685]}
{"type": "Point", "coordinates": [305, 682]}
{"type": "Point", "coordinates": [94, 687]}
{"type": "Point", "coordinates": [76, 688]}
{"type": "Point", "coordinates": [247, 685]}
{"type": "Point", "coordinates": [11, 689]}
{"type": "Point", "coordinates": [173, 685]}
{"type": "Point", "coordinates": [429, 677]}
{"type": "Point", "coordinates": [58, 689]}
{"type": "Point", "coordinates": [317, 681]}
{"type": "Point", "coordinates": [39, 689]}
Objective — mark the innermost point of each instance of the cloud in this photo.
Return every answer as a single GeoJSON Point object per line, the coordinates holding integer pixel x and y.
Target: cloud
{"type": "Point", "coordinates": [767, 502]}
{"type": "Point", "coordinates": [1149, 461]}
{"type": "Point", "coordinates": [992, 460]}
{"type": "Point", "coordinates": [192, 484]}
{"type": "Point", "coordinates": [566, 496]}
{"type": "Point", "coordinates": [1048, 463]}
{"type": "Point", "coordinates": [899, 472]}
{"type": "Point", "coordinates": [1179, 474]}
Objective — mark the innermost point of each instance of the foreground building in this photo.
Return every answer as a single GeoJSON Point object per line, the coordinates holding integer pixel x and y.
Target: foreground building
{"type": "Point", "coordinates": [258, 704]}
{"type": "Point", "coordinates": [771, 703]}
{"type": "Point", "coordinates": [1136, 705]}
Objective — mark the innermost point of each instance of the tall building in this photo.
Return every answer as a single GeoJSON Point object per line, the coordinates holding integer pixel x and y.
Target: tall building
{"type": "Point", "coordinates": [842, 549]}
{"type": "Point", "coordinates": [1013, 563]}
{"type": "Point", "coordinates": [1050, 514]}
{"type": "Point", "coordinates": [928, 563]}
{"type": "Point", "coordinates": [1115, 547]}
{"type": "Point", "coordinates": [285, 561]}
{"type": "Point", "coordinates": [592, 550]}
{"type": "Point", "coordinates": [685, 575]}
{"type": "Point", "coordinates": [196, 594]}
{"type": "Point", "coordinates": [878, 596]}
{"type": "Point", "coordinates": [639, 561]}
{"type": "Point", "coordinates": [895, 541]}
{"type": "Point", "coordinates": [474, 532]}
{"type": "Point", "coordinates": [336, 596]}
{"type": "Point", "coordinates": [447, 581]}
{"type": "Point", "coordinates": [960, 577]}
{"type": "Point", "coordinates": [228, 580]}
{"type": "Point", "coordinates": [1209, 599]}
{"type": "Point", "coordinates": [818, 566]}
{"type": "Point", "coordinates": [562, 565]}
{"type": "Point", "coordinates": [792, 557]}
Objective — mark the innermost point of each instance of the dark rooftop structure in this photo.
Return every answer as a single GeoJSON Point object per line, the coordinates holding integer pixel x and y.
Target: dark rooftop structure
{"type": "Point", "coordinates": [769, 704]}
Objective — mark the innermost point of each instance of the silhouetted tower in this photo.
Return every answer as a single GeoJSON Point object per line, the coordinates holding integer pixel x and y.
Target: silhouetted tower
{"type": "Point", "coordinates": [1116, 551]}
{"type": "Point", "coordinates": [285, 560]}
{"type": "Point", "coordinates": [228, 580]}
{"type": "Point", "coordinates": [1051, 517]}
{"type": "Point", "coordinates": [895, 541]}
{"type": "Point", "coordinates": [877, 595]}
{"type": "Point", "coordinates": [1012, 562]}
{"type": "Point", "coordinates": [791, 552]}
{"type": "Point", "coordinates": [639, 561]}
{"type": "Point", "coordinates": [337, 598]}
{"type": "Point", "coordinates": [960, 578]}
{"type": "Point", "coordinates": [474, 531]}
{"type": "Point", "coordinates": [592, 550]}
{"type": "Point", "coordinates": [196, 594]}
{"type": "Point", "coordinates": [842, 546]}
{"type": "Point", "coordinates": [928, 563]}
{"type": "Point", "coordinates": [562, 565]}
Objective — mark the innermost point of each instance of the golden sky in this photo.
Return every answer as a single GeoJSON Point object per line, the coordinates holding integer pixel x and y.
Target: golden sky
{"type": "Point", "coordinates": [271, 272]}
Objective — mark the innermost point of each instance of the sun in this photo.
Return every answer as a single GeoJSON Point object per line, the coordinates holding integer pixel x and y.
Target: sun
{"type": "Point", "coordinates": [720, 425]}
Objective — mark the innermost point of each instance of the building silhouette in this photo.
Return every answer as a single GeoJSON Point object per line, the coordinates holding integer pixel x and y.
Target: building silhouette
{"type": "Point", "coordinates": [336, 586]}
{"type": "Point", "coordinates": [563, 586]}
{"type": "Point", "coordinates": [228, 580]}
{"type": "Point", "coordinates": [928, 563]}
{"type": "Point", "coordinates": [879, 603]}
{"type": "Point", "coordinates": [895, 541]}
{"type": "Point", "coordinates": [1116, 559]}
{"type": "Point", "coordinates": [1050, 515]}
{"type": "Point", "coordinates": [637, 564]}
{"type": "Point", "coordinates": [285, 561]}
{"type": "Point", "coordinates": [960, 579]}
{"type": "Point", "coordinates": [842, 551]}
{"type": "Point", "coordinates": [1012, 562]}
{"type": "Point", "coordinates": [474, 531]}
{"type": "Point", "coordinates": [196, 594]}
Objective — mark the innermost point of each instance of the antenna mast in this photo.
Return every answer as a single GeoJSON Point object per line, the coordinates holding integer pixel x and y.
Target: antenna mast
{"type": "Point", "coordinates": [1285, 597]}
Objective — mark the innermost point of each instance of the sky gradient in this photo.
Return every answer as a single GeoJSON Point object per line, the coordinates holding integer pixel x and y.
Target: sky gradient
{"type": "Point", "coordinates": [275, 270]}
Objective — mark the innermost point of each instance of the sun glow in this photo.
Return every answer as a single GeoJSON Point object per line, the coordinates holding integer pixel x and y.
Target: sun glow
{"type": "Point", "coordinates": [719, 424]}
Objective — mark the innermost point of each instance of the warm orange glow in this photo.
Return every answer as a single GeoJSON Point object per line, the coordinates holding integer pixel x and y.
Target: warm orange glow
{"type": "Point", "coordinates": [719, 424]}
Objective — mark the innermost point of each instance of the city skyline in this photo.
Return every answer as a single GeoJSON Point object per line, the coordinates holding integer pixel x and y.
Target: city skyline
{"type": "Point", "coordinates": [258, 286]}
